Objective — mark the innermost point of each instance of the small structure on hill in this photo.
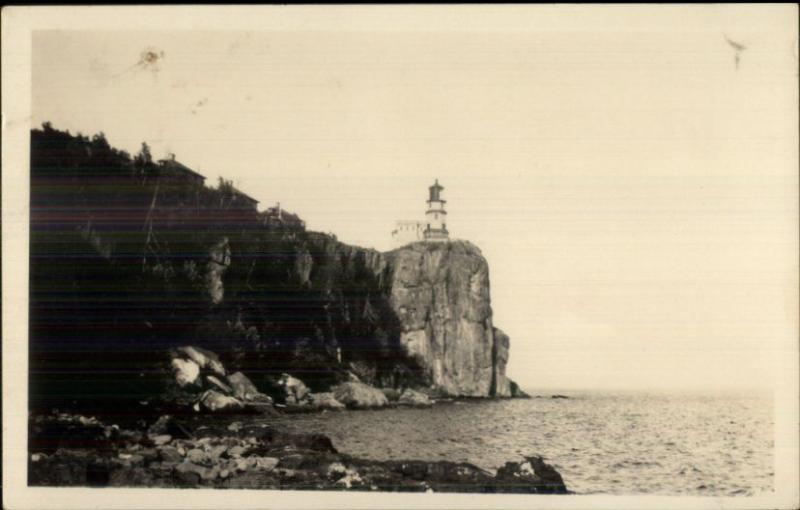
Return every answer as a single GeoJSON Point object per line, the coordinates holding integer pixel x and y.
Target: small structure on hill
{"type": "Point", "coordinates": [174, 171]}
{"type": "Point", "coordinates": [434, 228]}
{"type": "Point", "coordinates": [278, 218]}
{"type": "Point", "coordinates": [241, 199]}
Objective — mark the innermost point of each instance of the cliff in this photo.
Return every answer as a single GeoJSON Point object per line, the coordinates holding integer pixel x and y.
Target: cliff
{"type": "Point", "coordinates": [126, 263]}
{"type": "Point", "coordinates": [440, 293]}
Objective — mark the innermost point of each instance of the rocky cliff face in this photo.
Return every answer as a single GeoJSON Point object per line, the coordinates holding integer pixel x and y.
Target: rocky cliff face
{"type": "Point", "coordinates": [440, 292]}
{"type": "Point", "coordinates": [179, 266]}
{"type": "Point", "coordinates": [432, 301]}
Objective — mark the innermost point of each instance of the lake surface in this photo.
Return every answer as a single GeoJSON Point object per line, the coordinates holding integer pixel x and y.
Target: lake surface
{"type": "Point", "coordinates": [720, 445]}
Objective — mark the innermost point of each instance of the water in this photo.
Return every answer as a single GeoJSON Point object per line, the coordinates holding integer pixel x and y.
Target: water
{"type": "Point", "coordinates": [600, 443]}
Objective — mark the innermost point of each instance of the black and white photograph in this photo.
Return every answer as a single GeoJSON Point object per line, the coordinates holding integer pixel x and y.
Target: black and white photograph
{"type": "Point", "coordinates": [379, 256]}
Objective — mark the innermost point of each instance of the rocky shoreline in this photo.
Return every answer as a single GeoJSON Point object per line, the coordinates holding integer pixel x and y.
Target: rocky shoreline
{"type": "Point", "coordinates": [207, 426]}
{"type": "Point", "coordinates": [229, 452]}
{"type": "Point", "coordinates": [213, 428]}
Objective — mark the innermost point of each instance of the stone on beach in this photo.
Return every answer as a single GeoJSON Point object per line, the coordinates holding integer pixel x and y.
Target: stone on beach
{"type": "Point", "coordinates": [266, 463]}
{"type": "Point", "coordinates": [414, 398]}
{"type": "Point", "coordinates": [205, 473]}
{"type": "Point", "coordinates": [237, 451]}
{"type": "Point", "coordinates": [295, 390]}
{"type": "Point", "coordinates": [325, 400]}
{"type": "Point", "coordinates": [169, 454]}
{"type": "Point", "coordinates": [161, 439]}
{"type": "Point", "coordinates": [215, 452]}
{"type": "Point", "coordinates": [278, 460]}
{"type": "Point", "coordinates": [244, 389]}
{"type": "Point", "coordinates": [359, 395]}
{"type": "Point", "coordinates": [532, 475]}
{"type": "Point", "coordinates": [197, 456]}
{"type": "Point", "coordinates": [217, 402]}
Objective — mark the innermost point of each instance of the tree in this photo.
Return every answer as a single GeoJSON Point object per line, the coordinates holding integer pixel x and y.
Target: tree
{"type": "Point", "coordinates": [99, 140]}
{"type": "Point", "coordinates": [144, 157]}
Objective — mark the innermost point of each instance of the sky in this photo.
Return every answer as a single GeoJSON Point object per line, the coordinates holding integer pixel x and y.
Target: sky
{"type": "Point", "coordinates": [633, 188]}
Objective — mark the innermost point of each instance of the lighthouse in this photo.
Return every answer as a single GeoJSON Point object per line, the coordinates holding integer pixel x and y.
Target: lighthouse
{"type": "Point", "coordinates": [435, 215]}
{"type": "Point", "coordinates": [433, 229]}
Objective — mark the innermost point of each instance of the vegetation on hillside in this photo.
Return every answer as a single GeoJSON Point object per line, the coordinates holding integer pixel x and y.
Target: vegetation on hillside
{"type": "Point", "coordinates": [121, 251]}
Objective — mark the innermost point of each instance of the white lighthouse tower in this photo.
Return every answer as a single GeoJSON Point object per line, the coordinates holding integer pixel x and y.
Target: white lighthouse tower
{"type": "Point", "coordinates": [435, 215]}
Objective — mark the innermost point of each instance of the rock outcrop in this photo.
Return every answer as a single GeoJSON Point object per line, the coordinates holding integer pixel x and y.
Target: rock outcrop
{"type": "Point", "coordinates": [501, 385]}
{"type": "Point", "coordinates": [359, 395]}
{"type": "Point", "coordinates": [204, 359]}
{"type": "Point", "coordinates": [219, 258]}
{"type": "Point", "coordinates": [69, 450]}
{"type": "Point", "coordinates": [243, 389]}
{"type": "Point", "coordinates": [410, 397]}
{"type": "Point", "coordinates": [199, 379]}
{"type": "Point", "coordinates": [217, 402]}
{"type": "Point", "coordinates": [325, 400]}
{"type": "Point", "coordinates": [295, 391]}
{"type": "Point", "coordinates": [440, 292]}
{"type": "Point", "coordinates": [516, 391]}
{"type": "Point", "coordinates": [534, 471]}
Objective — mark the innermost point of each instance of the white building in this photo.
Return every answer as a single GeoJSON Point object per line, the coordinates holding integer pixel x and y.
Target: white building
{"type": "Point", "coordinates": [406, 231]}
{"type": "Point", "coordinates": [434, 228]}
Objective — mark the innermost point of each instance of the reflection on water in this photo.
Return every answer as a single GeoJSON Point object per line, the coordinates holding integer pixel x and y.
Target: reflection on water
{"type": "Point", "coordinates": [613, 444]}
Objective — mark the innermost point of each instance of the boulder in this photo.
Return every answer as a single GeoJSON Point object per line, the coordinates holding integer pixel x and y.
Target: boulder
{"type": "Point", "coordinates": [237, 451]}
{"type": "Point", "coordinates": [347, 478]}
{"type": "Point", "coordinates": [196, 369]}
{"type": "Point", "coordinates": [205, 359]}
{"type": "Point", "coordinates": [295, 390]}
{"type": "Point", "coordinates": [245, 390]}
{"type": "Point", "coordinates": [215, 452]}
{"type": "Point", "coordinates": [202, 472]}
{"type": "Point", "coordinates": [265, 463]}
{"type": "Point", "coordinates": [216, 402]}
{"type": "Point", "coordinates": [214, 382]}
{"type": "Point", "coordinates": [197, 456]}
{"type": "Point", "coordinates": [170, 454]}
{"type": "Point", "coordinates": [186, 372]}
{"type": "Point", "coordinates": [414, 398]}
{"type": "Point", "coordinates": [359, 395]}
{"type": "Point", "coordinates": [325, 400]}
{"type": "Point", "coordinates": [532, 476]}
{"type": "Point", "coordinates": [161, 439]}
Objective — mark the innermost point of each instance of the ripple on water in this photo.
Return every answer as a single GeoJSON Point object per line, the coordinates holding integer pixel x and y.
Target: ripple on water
{"type": "Point", "coordinates": [611, 444]}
